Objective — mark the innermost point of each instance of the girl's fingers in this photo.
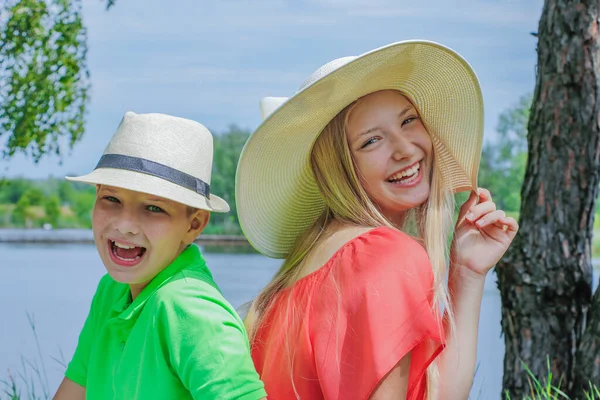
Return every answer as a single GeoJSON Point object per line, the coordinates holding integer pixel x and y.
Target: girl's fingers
{"type": "Point", "coordinates": [479, 210]}
{"type": "Point", "coordinates": [510, 223]}
{"type": "Point", "coordinates": [464, 209]}
{"type": "Point", "coordinates": [484, 194]}
{"type": "Point", "coordinates": [507, 225]}
{"type": "Point", "coordinates": [489, 218]}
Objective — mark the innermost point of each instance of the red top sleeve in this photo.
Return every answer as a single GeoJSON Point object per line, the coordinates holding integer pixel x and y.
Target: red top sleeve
{"type": "Point", "coordinates": [384, 283]}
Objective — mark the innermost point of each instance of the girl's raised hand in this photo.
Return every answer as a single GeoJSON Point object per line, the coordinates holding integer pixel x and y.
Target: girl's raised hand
{"type": "Point", "coordinates": [482, 234]}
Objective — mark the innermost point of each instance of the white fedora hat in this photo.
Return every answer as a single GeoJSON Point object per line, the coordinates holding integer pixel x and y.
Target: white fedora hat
{"type": "Point", "coordinates": [276, 194]}
{"type": "Point", "coordinates": [161, 155]}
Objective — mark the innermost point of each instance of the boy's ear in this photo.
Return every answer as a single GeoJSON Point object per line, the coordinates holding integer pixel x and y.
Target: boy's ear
{"type": "Point", "coordinates": [199, 220]}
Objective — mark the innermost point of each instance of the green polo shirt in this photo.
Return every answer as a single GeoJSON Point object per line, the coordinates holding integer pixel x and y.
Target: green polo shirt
{"type": "Point", "coordinates": [179, 339]}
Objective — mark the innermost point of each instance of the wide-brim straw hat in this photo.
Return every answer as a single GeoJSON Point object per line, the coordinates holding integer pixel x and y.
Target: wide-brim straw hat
{"type": "Point", "coordinates": [161, 155]}
{"type": "Point", "coordinates": [276, 193]}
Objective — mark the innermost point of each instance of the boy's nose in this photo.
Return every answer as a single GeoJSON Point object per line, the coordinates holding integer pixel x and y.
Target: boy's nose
{"type": "Point", "coordinates": [126, 223]}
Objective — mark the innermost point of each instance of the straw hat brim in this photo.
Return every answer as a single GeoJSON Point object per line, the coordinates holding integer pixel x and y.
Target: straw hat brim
{"type": "Point", "coordinates": [144, 183]}
{"type": "Point", "coordinates": [277, 196]}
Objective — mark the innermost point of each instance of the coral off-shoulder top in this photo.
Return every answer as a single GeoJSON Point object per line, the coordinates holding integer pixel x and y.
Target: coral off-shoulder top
{"type": "Point", "coordinates": [337, 332]}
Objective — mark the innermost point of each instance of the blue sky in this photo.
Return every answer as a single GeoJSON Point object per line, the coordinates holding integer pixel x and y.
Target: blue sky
{"type": "Point", "coordinates": [212, 61]}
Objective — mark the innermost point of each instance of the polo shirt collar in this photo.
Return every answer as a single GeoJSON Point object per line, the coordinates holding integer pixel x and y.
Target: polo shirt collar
{"type": "Point", "coordinates": [189, 257]}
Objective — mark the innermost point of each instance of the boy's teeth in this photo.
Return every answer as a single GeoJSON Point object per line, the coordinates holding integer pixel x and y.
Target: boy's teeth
{"type": "Point", "coordinates": [123, 246]}
{"type": "Point", "coordinates": [126, 252]}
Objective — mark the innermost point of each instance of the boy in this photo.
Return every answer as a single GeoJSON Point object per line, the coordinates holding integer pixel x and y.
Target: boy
{"type": "Point", "coordinates": [158, 327]}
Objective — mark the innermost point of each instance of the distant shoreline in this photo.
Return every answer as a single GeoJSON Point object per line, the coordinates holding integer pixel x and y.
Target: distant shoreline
{"type": "Point", "coordinates": [85, 236]}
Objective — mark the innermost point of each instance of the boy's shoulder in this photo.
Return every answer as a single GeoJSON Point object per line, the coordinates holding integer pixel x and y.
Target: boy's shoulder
{"type": "Point", "coordinates": [191, 286]}
{"type": "Point", "coordinates": [191, 297]}
{"type": "Point", "coordinates": [189, 281]}
{"type": "Point", "coordinates": [187, 275]}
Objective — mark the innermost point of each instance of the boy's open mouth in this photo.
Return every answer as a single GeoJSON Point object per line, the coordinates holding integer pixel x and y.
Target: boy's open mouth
{"type": "Point", "coordinates": [125, 254]}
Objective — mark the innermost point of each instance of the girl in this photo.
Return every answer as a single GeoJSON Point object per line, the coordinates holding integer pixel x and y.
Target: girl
{"type": "Point", "coordinates": [352, 182]}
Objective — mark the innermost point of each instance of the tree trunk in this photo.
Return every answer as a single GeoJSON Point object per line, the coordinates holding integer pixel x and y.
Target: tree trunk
{"type": "Point", "coordinates": [545, 277]}
{"type": "Point", "coordinates": [588, 355]}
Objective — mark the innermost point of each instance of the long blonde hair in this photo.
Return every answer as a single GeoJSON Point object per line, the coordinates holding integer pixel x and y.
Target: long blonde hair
{"type": "Point", "coordinates": [347, 201]}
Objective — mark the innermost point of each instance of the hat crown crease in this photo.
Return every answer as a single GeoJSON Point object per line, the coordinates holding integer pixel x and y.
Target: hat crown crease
{"type": "Point", "coordinates": [183, 145]}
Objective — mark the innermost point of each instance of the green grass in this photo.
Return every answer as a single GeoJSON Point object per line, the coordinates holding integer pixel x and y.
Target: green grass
{"type": "Point", "coordinates": [31, 382]}
{"type": "Point", "coordinates": [548, 389]}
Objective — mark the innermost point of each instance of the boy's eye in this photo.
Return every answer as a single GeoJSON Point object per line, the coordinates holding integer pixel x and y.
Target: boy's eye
{"type": "Point", "coordinates": [112, 199]}
{"type": "Point", "coordinates": [155, 209]}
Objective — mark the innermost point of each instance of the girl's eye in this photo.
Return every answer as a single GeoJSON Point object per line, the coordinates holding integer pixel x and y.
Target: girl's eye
{"type": "Point", "coordinates": [112, 199]}
{"type": "Point", "coordinates": [408, 120]}
{"type": "Point", "coordinates": [369, 142]}
{"type": "Point", "coordinates": [155, 209]}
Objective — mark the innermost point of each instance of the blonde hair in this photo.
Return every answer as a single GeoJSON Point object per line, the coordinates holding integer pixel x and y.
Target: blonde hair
{"type": "Point", "coordinates": [347, 201]}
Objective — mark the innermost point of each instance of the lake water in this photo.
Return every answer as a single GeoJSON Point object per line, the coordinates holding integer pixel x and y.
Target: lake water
{"type": "Point", "coordinates": [55, 284]}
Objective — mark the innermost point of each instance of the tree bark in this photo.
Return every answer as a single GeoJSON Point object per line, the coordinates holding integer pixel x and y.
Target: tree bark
{"type": "Point", "coordinates": [545, 278]}
{"type": "Point", "coordinates": [588, 355]}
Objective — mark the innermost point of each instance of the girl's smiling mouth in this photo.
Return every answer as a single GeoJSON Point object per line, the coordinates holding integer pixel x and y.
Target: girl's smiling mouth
{"type": "Point", "coordinates": [407, 177]}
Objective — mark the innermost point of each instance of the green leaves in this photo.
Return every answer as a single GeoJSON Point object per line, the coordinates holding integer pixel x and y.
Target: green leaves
{"type": "Point", "coordinates": [44, 80]}
{"type": "Point", "coordinates": [52, 210]}
{"type": "Point", "coordinates": [227, 148]}
{"type": "Point", "coordinates": [503, 162]}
